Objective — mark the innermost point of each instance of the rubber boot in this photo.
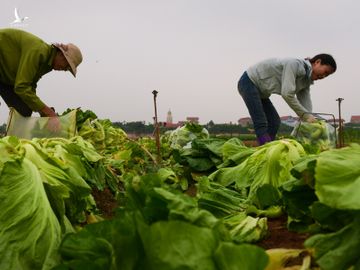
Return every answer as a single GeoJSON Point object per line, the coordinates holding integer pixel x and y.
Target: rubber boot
{"type": "Point", "coordinates": [265, 138]}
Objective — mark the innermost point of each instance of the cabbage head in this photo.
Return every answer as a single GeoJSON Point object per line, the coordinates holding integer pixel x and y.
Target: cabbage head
{"type": "Point", "coordinates": [183, 136]}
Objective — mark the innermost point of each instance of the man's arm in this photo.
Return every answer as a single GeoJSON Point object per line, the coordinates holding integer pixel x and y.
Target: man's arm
{"type": "Point", "coordinates": [288, 89]}
{"type": "Point", "coordinates": [305, 99]}
{"type": "Point", "coordinates": [26, 80]}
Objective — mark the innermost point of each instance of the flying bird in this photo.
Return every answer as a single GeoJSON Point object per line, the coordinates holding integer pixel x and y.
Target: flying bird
{"type": "Point", "coordinates": [18, 19]}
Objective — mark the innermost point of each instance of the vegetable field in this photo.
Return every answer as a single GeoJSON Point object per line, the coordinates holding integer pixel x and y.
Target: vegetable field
{"type": "Point", "coordinates": [102, 200]}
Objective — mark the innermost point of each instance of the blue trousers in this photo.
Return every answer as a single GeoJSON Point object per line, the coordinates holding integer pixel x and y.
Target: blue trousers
{"type": "Point", "coordinates": [265, 118]}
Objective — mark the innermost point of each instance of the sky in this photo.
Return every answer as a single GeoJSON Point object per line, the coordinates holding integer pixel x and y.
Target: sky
{"type": "Point", "coordinates": [192, 52]}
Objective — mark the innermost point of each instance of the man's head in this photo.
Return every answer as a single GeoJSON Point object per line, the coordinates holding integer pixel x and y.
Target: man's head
{"type": "Point", "coordinates": [323, 65]}
{"type": "Point", "coordinates": [68, 57]}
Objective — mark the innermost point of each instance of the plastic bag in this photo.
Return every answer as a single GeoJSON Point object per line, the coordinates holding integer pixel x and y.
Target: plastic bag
{"type": "Point", "coordinates": [36, 127]}
{"type": "Point", "coordinates": [319, 133]}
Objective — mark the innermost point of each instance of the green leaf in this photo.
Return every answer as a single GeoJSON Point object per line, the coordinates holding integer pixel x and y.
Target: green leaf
{"type": "Point", "coordinates": [191, 247]}
{"type": "Point", "coordinates": [338, 250]}
{"type": "Point", "coordinates": [229, 256]}
{"type": "Point", "coordinates": [338, 178]}
{"type": "Point", "coordinates": [112, 244]}
{"type": "Point", "coordinates": [29, 230]}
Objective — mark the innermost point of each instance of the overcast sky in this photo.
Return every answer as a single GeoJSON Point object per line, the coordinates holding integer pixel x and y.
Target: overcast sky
{"type": "Point", "coordinates": [191, 51]}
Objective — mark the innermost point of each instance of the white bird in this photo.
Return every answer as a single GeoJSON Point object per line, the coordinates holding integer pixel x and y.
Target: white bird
{"type": "Point", "coordinates": [18, 19]}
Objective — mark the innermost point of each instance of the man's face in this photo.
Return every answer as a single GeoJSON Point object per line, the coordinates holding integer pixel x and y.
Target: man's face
{"type": "Point", "coordinates": [60, 62]}
{"type": "Point", "coordinates": [320, 71]}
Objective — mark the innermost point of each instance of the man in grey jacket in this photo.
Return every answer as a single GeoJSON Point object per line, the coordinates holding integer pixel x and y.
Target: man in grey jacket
{"type": "Point", "coordinates": [289, 77]}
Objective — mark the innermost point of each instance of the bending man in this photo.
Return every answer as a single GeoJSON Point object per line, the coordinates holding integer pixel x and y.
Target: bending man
{"type": "Point", "coordinates": [291, 78]}
{"type": "Point", "coordinates": [24, 59]}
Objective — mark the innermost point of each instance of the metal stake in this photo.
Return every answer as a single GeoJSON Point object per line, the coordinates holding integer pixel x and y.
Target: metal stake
{"type": "Point", "coordinates": [157, 131]}
{"type": "Point", "coordinates": [341, 133]}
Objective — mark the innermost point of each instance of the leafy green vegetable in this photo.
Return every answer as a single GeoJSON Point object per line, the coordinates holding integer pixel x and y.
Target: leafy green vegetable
{"type": "Point", "coordinates": [45, 183]}
{"type": "Point", "coordinates": [67, 124]}
{"type": "Point", "coordinates": [246, 229]}
{"type": "Point", "coordinates": [139, 236]}
{"type": "Point", "coordinates": [29, 230]}
{"type": "Point", "coordinates": [316, 137]}
{"type": "Point", "coordinates": [203, 155]}
{"type": "Point", "coordinates": [229, 256]}
{"type": "Point", "coordinates": [297, 199]}
{"type": "Point", "coordinates": [102, 135]}
{"type": "Point", "coordinates": [235, 152]}
{"type": "Point", "coordinates": [82, 116]}
{"type": "Point", "coordinates": [168, 176]}
{"type": "Point", "coordinates": [219, 200]}
{"type": "Point", "coordinates": [183, 136]}
{"type": "Point", "coordinates": [338, 250]}
{"type": "Point", "coordinates": [270, 164]}
{"type": "Point", "coordinates": [180, 254]}
{"type": "Point", "coordinates": [324, 199]}
{"type": "Point", "coordinates": [338, 178]}
{"type": "Point", "coordinates": [59, 184]}
{"type": "Point", "coordinates": [111, 244]}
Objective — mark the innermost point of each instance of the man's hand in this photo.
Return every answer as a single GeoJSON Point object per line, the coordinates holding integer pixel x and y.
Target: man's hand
{"type": "Point", "coordinates": [53, 124]}
{"type": "Point", "coordinates": [310, 118]}
{"type": "Point", "coordinates": [47, 112]}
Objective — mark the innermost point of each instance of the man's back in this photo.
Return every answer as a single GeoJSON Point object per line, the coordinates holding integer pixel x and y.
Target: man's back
{"type": "Point", "coordinates": [15, 45]}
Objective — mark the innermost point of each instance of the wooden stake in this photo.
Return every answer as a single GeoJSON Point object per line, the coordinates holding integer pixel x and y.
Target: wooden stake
{"type": "Point", "coordinates": [157, 131]}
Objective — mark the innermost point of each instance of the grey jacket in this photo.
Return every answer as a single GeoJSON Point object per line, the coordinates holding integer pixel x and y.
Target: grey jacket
{"type": "Point", "coordinates": [288, 77]}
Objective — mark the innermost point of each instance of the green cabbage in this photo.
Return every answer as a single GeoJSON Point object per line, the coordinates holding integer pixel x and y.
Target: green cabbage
{"type": "Point", "coordinates": [30, 232]}
{"type": "Point", "coordinates": [269, 164]}
{"type": "Point", "coordinates": [316, 137]}
{"type": "Point", "coordinates": [183, 136]}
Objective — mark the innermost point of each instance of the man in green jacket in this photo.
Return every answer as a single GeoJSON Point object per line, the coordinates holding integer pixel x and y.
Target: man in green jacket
{"type": "Point", "coordinates": [24, 59]}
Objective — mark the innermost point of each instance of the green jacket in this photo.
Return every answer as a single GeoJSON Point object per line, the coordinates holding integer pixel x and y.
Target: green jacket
{"type": "Point", "coordinates": [24, 59]}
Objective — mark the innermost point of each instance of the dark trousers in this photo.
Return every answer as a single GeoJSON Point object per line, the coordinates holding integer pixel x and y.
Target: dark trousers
{"type": "Point", "coordinates": [13, 100]}
{"type": "Point", "coordinates": [265, 118]}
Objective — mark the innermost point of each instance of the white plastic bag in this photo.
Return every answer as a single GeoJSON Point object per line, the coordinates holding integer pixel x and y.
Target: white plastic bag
{"type": "Point", "coordinates": [36, 127]}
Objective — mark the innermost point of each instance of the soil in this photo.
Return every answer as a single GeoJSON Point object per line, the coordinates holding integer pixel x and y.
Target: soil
{"type": "Point", "coordinates": [251, 143]}
{"type": "Point", "coordinates": [278, 235]}
{"type": "Point", "coordinates": [105, 202]}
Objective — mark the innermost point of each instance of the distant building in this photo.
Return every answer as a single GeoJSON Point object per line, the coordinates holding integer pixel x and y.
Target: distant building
{"type": "Point", "coordinates": [289, 120]}
{"type": "Point", "coordinates": [192, 119]}
{"type": "Point", "coordinates": [245, 121]}
{"type": "Point", "coordinates": [169, 119]}
{"type": "Point", "coordinates": [337, 121]}
{"type": "Point", "coordinates": [170, 124]}
{"type": "Point", "coordinates": [355, 119]}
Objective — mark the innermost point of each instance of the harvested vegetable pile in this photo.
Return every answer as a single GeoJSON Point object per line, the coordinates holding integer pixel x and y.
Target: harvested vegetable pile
{"type": "Point", "coordinates": [316, 137]}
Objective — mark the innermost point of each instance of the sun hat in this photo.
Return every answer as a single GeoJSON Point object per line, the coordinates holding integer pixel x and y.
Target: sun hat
{"type": "Point", "coordinates": [72, 54]}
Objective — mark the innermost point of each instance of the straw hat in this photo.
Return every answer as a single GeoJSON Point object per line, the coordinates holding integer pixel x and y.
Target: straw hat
{"type": "Point", "coordinates": [72, 54]}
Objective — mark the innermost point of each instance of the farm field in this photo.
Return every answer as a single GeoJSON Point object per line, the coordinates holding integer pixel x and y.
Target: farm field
{"type": "Point", "coordinates": [102, 200]}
